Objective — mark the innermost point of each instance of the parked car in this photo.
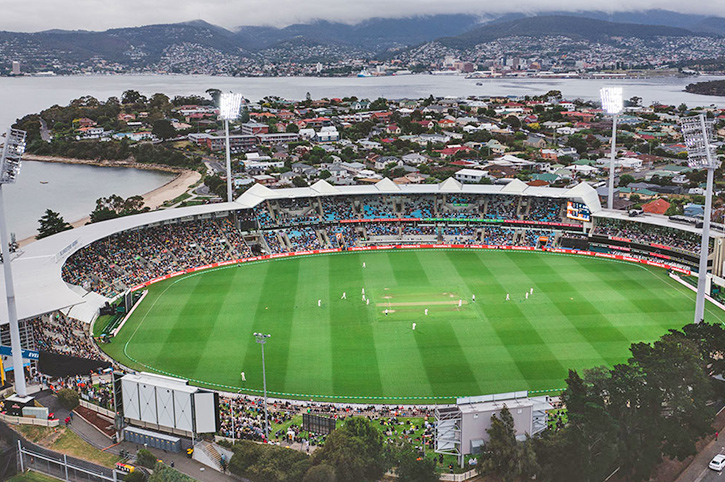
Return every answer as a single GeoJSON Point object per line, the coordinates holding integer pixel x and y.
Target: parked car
{"type": "Point", "coordinates": [718, 462]}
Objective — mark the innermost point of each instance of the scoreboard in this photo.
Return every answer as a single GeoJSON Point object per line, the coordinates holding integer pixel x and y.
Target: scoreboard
{"type": "Point", "coordinates": [578, 212]}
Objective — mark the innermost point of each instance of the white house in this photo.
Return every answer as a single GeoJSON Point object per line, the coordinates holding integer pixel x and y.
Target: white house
{"type": "Point", "coordinates": [471, 175]}
{"type": "Point", "coordinates": [328, 134]}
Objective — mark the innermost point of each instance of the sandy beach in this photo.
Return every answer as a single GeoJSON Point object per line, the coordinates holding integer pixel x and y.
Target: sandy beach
{"type": "Point", "coordinates": [153, 199]}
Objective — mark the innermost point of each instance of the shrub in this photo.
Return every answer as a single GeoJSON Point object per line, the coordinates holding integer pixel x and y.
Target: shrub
{"type": "Point", "coordinates": [68, 398]}
{"type": "Point", "coordinates": [145, 459]}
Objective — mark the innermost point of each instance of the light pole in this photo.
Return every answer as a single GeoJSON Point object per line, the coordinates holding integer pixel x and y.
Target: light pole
{"type": "Point", "coordinates": [262, 339]}
{"type": "Point", "coordinates": [698, 134]}
{"type": "Point", "coordinates": [9, 169]}
{"type": "Point", "coordinates": [612, 103]}
{"type": "Point", "coordinates": [229, 105]}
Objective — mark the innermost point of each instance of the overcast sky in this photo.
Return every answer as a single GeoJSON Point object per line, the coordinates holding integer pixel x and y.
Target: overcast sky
{"type": "Point", "coordinates": [35, 15]}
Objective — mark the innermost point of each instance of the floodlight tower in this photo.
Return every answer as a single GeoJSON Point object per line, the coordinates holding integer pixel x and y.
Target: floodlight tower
{"type": "Point", "coordinates": [698, 134]}
{"type": "Point", "coordinates": [9, 168]}
{"type": "Point", "coordinates": [612, 103]}
{"type": "Point", "coordinates": [229, 105]}
{"type": "Point", "coordinates": [262, 339]}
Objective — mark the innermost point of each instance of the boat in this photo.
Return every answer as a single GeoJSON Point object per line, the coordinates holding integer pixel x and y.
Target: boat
{"type": "Point", "coordinates": [43, 182]}
{"type": "Point", "coordinates": [364, 73]}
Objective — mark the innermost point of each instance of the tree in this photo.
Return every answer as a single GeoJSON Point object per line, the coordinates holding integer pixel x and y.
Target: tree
{"type": "Point", "coordinates": [414, 467]}
{"type": "Point", "coordinates": [137, 476]}
{"type": "Point", "coordinates": [355, 451]}
{"type": "Point", "coordinates": [320, 473]}
{"type": "Point", "coordinates": [51, 223]}
{"type": "Point", "coordinates": [503, 455]}
{"type": "Point", "coordinates": [292, 128]}
{"type": "Point", "coordinates": [299, 181]}
{"type": "Point", "coordinates": [68, 398]}
{"type": "Point", "coordinates": [146, 459]}
{"type": "Point", "coordinates": [115, 206]}
{"type": "Point", "coordinates": [625, 179]}
{"type": "Point", "coordinates": [379, 104]}
{"type": "Point", "coordinates": [132, 97]}
{"type": "Point", "coordinates": [163, 129]}
{"type": "Point", "coordinates": [215, 95]}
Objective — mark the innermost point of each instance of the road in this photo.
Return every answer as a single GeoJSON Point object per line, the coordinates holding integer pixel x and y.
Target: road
{"type": "Point", "coordinates": [707, 475]}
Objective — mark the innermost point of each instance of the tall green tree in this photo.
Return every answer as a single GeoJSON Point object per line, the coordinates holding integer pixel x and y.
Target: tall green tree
{"type": "Point", "coordinates": [163, 129]}
{"type": "Point", "coordinates": [355, 451]}
{"type": "Point", "coordinates": [504, 456]}
{"type": "Point", "coordinates": [51, 223]}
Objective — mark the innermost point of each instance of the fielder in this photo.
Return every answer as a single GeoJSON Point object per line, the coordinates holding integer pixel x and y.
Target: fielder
{"type": "Point", "coordinates": [344, 295]}
{"type": "Point", "coordinates": [244, 378]}
{"type": "Point", "coordinates": [319, 303]}
{"type": "Point", "coordinates": [426, 313]}
{"type": "Point", "coordinates": [413, 326]}
{"type": "Point", "coordinates": [507, 297]}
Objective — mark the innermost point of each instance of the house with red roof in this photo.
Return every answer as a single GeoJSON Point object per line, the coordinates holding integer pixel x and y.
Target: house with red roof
{"type": "Point", "coordinates": [452, 151]}
{"type": "Point", "coordinates": [658, 206]}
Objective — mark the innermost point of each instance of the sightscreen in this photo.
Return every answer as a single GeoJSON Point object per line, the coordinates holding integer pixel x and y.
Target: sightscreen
{"type": "Point", "coordinates": [317, 423]}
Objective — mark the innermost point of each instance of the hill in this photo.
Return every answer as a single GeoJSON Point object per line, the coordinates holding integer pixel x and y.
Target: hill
{"type": "Point", "coordinates": [375, 34]}
{"type": "Point", "coordinates": [713, 87]}
{"type": "Point", "coordinates": [571, 26]}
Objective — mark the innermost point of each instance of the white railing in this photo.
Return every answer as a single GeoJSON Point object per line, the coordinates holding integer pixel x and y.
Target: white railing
{"type": "Point", "coordinates": [459, 477]}
{"type": "Point", "coordinates": [97, 408]}
{"type": "Point", "coordinates": [28, 421]}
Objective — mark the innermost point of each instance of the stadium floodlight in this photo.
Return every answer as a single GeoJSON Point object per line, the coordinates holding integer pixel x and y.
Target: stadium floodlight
{"type": "Point", "coordinates": [698, 135]}
{"type": "Point", "coordinates": [612, 103]}
{"type": "Point", "coordinates": [262, 339]}
{"type": "Point", "coordinates": [612, 99]}
{"type": "Point", "coordinates": [229, 106]}
{"type": "Point", "coordinates": [9, 168]}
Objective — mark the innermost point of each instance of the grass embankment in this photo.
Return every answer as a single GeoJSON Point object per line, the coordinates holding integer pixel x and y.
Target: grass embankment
{"type": "Point", "coordinates": [31, 476]}
{"type": "Point", "coordinates": [63, 440]}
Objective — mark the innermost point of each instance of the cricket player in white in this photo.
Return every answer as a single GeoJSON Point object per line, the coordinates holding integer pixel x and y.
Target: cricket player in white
{"type": "Point", "coordinates": [507, 297]}
{"type": "Point", "coordinates": [426, 312]}
{"type": "Point", "coordinates": [344, 295]}
{"type": "Point", "coordinates": [319, 303]}
{"type": "Point", "coordinates": [413, 326]}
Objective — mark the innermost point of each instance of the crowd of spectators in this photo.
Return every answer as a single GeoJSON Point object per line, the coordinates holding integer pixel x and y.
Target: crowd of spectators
{"type": "Point", "coordinates": [376, 208]}
{"type": "Point", "coordinates": [544, 209]}
{"type": "Point", "coordinates": [303, 239]}
{"type": "Point", "coordinates": [502, 207]}
{"type": "Point", "coordinates": [648, 234]}
{"type": "Point", "coordinates": [57, 333]}
{"type": "Point", "coordinates": [493, 235]}
{"type": "Point", "coordinates": [248, 414]}
{"type": "Point", "coordinates": [464, 234]}
{"type": "Point", "coordinates": [120, 261]}
{"type": "Point", "coordinates": [382, 229]}
{"type": "Point", "coordinates": [338, 208]}
{"type": "Point", "coordinates": [273, 242]}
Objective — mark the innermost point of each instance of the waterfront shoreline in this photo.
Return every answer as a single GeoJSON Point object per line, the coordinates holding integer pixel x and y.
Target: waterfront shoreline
{"type": "Point", "coordinates": [154, 199]}
{"type": "Point", "coordinates": [104, 163]}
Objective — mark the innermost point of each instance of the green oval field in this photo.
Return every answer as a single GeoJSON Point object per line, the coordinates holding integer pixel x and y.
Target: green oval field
{"type": "Point", "coordinates": [583, 312]}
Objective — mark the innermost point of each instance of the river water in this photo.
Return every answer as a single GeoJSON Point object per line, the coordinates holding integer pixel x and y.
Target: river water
{"type": "Point", "coordinates": [72, 189]}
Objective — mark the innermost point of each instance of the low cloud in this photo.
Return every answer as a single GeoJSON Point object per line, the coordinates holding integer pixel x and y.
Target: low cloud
{"type": "Point", "coordinates": [36, 15]}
